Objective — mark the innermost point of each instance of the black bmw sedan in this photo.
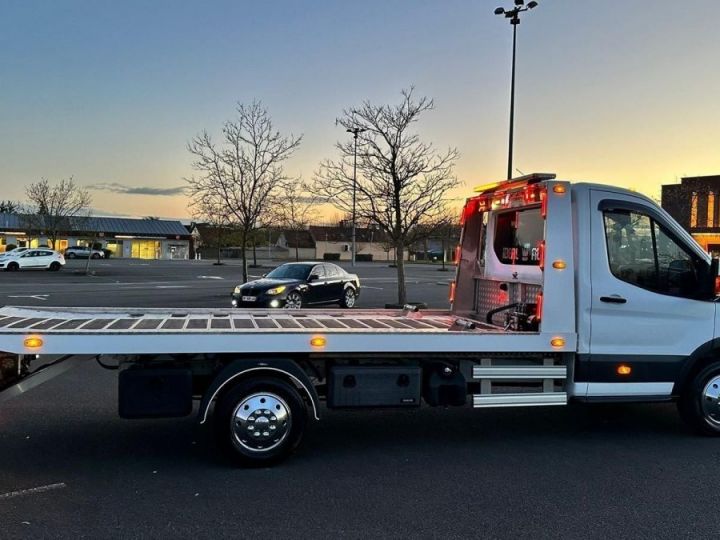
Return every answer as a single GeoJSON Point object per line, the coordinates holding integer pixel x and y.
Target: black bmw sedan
{"type": "Point", "coordinates": [298, 285]}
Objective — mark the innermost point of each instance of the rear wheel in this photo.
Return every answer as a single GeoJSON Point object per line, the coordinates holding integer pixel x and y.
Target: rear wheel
{"type": "Point", "coordinates": [54, 266]}
{"type": "Point", "coordinates": [699, 404]}
{"type": "Point", "coordinates": [260, 421]}
{"type": "Point", "coordinates": [70, 255]}
{"type": "Point", "coordinates": [293, 300]}
{"type": "Point", "coordinates": [348, 299]}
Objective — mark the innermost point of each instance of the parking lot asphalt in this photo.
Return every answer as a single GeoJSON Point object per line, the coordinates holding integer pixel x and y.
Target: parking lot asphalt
{"type": "Point", "coordinates": [69, 467]}
{"type": "Point", "coordinates": [137, 283]}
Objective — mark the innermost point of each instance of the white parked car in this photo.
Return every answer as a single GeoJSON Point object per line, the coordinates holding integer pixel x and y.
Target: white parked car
{"type": "Point", "coordinates": [41, 258]}
{"type": "Point", "coordinates": [13, 252]}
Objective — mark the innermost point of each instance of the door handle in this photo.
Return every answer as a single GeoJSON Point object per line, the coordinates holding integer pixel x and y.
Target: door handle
{"type": "Point", "coordinates": [613, 299]}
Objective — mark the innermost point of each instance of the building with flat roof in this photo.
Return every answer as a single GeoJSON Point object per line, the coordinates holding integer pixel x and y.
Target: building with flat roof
{"type": "Point", "coordinates": [124, 237]}
{"type": "Point", "coordinates": [693, 203]}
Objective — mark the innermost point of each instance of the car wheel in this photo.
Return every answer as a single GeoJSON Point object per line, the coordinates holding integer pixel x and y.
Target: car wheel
{"type": "Point", "coordinates": [54, 266]}
{"type": "Point", "coordinates": [95, 256]}
{"type": "Point", "coordinates": [348, 299]}
{"type": "Point", "coordinates": [13, 267]}
{"type": "Point", "coordinates": [699, 404]}
{"type": "Point", "coordinates": [70, 255]}
{"type": "Point", "coordinates": [293, 300]}
{"type": "Point", "coordinates": [260, 421]}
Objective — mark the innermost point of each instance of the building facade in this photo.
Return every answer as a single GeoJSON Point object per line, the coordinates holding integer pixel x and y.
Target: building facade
{"type": "Point", "coordinates": [693, 203]}
{"type": "Point", "coordinates": [122, 237]}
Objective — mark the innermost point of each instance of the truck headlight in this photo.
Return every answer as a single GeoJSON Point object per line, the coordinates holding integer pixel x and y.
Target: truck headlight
{"type": "Point", "coordinates": [276, 290]}
{"type": "Point", "coordinates": [237, 290]}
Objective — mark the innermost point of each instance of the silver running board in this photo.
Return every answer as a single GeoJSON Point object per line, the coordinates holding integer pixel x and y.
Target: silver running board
{"type": "Point", "coordinates": [519, 400]}
{"type": "Point", "coordinates": [519, 372]}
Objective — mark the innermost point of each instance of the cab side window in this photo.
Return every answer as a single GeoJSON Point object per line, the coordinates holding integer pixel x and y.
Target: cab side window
{"type": "Point", "coordinates": [642, 252]}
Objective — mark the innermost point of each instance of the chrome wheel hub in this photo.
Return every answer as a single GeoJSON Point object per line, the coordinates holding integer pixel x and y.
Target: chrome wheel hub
{"type": "Point", "coordinates": [711, 401]}
{"type": "Point", "coordinates": [260, 422]}
{"type": "Point", "coordinates": [349, 298]}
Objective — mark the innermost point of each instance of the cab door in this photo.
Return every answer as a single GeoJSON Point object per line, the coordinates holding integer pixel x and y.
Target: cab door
{"type": "Point", "coordinates": [647, 311]}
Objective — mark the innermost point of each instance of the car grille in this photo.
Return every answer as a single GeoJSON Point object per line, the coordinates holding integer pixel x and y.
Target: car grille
{"type": "Point", "coordinates": [249, 292]}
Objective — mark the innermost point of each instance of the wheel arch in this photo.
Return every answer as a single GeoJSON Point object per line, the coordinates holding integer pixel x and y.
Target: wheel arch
{"type": "Point", "coordinates": [239, 370]}
{"type": "Point", "coordinates": [707, 353]}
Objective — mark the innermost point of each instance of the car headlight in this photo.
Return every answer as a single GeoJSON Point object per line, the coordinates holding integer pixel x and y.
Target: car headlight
{"type": "Point", "coordinates": [237, 290]}
{"type": "Point", "coordinates": [276, 290]}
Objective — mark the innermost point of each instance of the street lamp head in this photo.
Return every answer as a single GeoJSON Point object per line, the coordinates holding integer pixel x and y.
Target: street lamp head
{"type": "Point", "coordinates": [532, 5]}
{"type": "Point", "coordinates": [499, 11]}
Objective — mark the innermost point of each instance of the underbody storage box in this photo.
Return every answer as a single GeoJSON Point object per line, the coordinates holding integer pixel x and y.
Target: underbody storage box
{"type": "Point", "coordinates": [154, 393]}
{"type": "Point", "coordinates": [374, 386]}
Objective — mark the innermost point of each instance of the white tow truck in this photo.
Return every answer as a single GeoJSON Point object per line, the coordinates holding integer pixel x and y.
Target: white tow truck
{"type": "Point", "coordinates": [564, 293]}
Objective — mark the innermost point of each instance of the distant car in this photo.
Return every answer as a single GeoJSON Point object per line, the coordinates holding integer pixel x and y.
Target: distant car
{"type": "Point", "coordinates": [82, 252]}
{"type": "Point", "coordinates": [42, 259]}
{"type": "Point", "coordinates": [297, 285]}
{"type": "Point", "coordinates": [15, 251]}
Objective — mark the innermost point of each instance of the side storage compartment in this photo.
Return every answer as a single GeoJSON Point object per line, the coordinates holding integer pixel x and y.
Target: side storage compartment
{"type": "Point", "coordinates": [374, 386]}
{"type": "Point", "coordinates": [154, 393]}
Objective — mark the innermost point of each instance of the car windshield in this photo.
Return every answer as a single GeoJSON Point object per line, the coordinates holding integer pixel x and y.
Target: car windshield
{"type": "Point", "coordinates": [291, 271]}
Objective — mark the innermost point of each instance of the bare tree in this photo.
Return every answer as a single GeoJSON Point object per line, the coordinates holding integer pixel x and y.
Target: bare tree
{"type": "Point", "coordinates": [297, 211]}
{"type": "Point", "coordinates": [245, 172]}
{"type": "Point", "coordinates": [213, 211]}
{"type": "Point", "coordinates": [53, 207]}
{"type": "Point", "coordinates": [9, 207]}
{"type": "Point", "coordinates": [402, 181]}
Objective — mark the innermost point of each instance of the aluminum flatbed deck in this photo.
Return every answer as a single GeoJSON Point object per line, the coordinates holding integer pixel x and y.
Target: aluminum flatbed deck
{"type": "Point", "coordinates": [137, 331]}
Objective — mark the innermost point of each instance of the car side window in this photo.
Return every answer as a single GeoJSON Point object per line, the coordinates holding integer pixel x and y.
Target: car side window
{"type": "Point", "coordinates": [643, 253]}
{"type": "Point", "coordinates": [330, 270]}
{"type": "Point", "coordinates": [319, 271]}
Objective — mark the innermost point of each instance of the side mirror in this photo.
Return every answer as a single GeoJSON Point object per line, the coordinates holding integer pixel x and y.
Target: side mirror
{"type": "Point", "coordinates": [264, 275]}
{"type": "Point", "coordinates": [313, 277]}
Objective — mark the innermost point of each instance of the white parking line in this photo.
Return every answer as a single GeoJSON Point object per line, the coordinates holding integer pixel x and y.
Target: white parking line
{"type": "Point", "coordinates": [210, 277]}
{"type": "Point", "coordinates": [31, 491]}
{"type": "Point", "coordinates": [369, 287]}
{"type": "Point", "coordinates": [34, 296]}
{"type": "Point", "coordinates": [171, 287]}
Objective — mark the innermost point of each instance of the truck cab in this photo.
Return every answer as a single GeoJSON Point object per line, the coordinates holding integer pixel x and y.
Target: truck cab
{"type": "Point", "coordinates": [603, 263]}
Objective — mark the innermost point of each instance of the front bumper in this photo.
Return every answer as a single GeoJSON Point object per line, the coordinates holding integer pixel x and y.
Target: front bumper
{"type": "Point", "coordinates": [263, 301]}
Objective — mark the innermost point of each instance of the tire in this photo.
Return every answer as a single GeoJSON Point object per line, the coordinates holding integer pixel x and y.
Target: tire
{"type": "Point", "coordinates": [13, 267]}
{"type": "Point", "coordinates": [54, 266]}
{"type": "Point", "coordinates": [699, 404]}
{"type": "Point", "coordinates": [348, 298]}
{"type": "Point", "coordinates": [280, 434]}
{"type": "Point", "coordinates": [294, 300]}
{"type": "Point", "coordinates": [70, 255]}
{"type": "Point", "coordinates": [94, 256]}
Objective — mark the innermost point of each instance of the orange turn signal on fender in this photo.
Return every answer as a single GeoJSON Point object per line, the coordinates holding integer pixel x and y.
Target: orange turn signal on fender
{"type": "Point", "coordinates": [33, 343]}
{"type": "Point", "coordinates": [318, 342]}
{"type": "Point", "coordinates": [557, 342]}
{"type": "Point", "coordinates": [559, 265]}
{"type": "Point", "coordinates": [624, 369]}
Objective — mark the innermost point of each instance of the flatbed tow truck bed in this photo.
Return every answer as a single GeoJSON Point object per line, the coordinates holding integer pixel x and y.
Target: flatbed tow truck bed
{"type": "Point", "coordinates": [147, 331]}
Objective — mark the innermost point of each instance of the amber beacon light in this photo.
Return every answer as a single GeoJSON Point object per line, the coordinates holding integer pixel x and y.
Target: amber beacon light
{"type": "Point", "coordinates": [318, 342]}
{"type": "Point", "coordinates": [33, 342]}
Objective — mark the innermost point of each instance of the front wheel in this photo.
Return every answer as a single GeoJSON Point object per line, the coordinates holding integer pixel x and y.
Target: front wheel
{"type": "Point", "coordinates": [348, 298]}
{"type": "Point", "coordinates": [293, 300]}
{"type": "Point", "coordinates": [95, 256]}
{"type": "Point", "coordinates": [699, 404]}
{"type": "Point", "coordinates": [13, 267]}
{"type": "Point", "coordinates": [70, 255]}
{"type": "Point", "coordinates": [260, 421]}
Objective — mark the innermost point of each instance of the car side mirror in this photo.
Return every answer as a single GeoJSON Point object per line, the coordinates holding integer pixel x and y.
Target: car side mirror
{"type": "Point", "coordinates": [264, 275]}
{"type": "Point", "coordinates": [313, 277]}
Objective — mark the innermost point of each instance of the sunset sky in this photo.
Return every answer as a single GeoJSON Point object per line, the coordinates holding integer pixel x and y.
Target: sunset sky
{"type": "Point", "coordinates": [111, 91]}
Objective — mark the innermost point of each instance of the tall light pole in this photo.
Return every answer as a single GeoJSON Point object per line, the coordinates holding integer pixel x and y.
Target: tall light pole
{"type": "Point", "coordinates": [514, 16]}
{"type": "Point", "coordinates": [355, 131]}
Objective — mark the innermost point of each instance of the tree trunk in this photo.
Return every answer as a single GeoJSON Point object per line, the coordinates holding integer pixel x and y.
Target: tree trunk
{"type": "Point", "coordinates": [444, 250]}
{"type": "Point", "coordinates": [400, 263]}
{"type": "Point", "coordinates": [255, 253]}
{"type": "Point", "coordinates": [243, 241]}
{"type": "Point", "coordinates": [219, 231]}
{"type": "Point", "coordinates": [297, 249]}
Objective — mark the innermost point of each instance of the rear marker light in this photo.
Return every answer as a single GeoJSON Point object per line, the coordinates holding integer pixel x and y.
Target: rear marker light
{"type": "Point", "coordinates": [318, 342]}
{"type": "Point", "coordinates": [33, 343]}
{"type": "Point", "coordinates": [559, 189]}
{"type": "Point", "coordinates": [538, 306]}
{"type": "Point", "coordinates": [541, 254]}
{"type": "Point", "coordinates": [452, 292]}
{"type": "Point", "coordinates": [557, 342]}
{"type": "Point", "coordinates": [559, 265]}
